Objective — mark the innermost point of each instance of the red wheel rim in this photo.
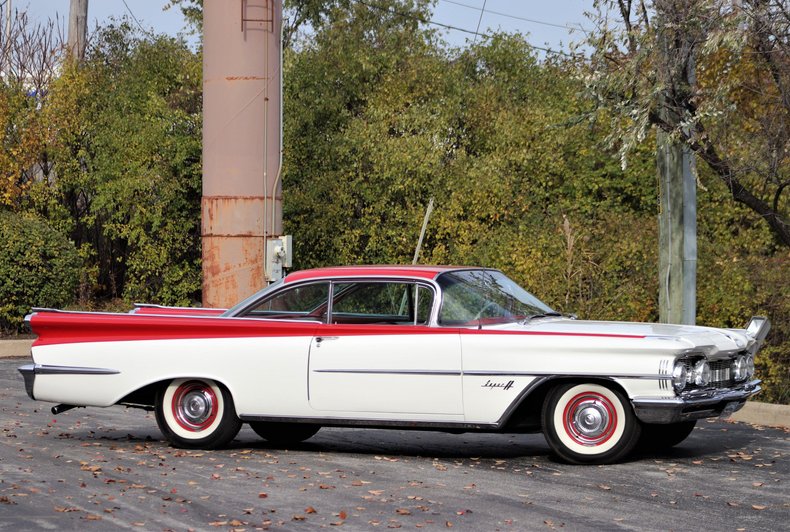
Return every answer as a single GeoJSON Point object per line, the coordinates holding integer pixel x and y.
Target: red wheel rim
{"type": "Point", "coordinates": [195, 406]}
{"type": "Point", "coordinates": [590, 419]}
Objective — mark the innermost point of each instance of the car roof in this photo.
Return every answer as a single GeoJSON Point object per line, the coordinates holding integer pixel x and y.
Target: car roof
{"type": "Point", "coordinates": [422, 272]}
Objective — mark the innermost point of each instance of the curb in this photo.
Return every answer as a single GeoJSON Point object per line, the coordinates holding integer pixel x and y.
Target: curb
{"type": "Point", "coordinates": [765, 414]}
{"type": "Point", "coordinates": [753, 412]}
{"type": "Point", "coordinates": [15, 348]}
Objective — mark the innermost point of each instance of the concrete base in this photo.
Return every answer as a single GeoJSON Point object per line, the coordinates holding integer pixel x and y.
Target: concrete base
{"type": "Point", "coordinates": [763, 414]}
{"type": "Point", "coordinates": [15, 348]}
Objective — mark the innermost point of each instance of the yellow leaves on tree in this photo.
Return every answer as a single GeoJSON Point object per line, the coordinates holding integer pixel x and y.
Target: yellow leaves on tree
{"type": "Point", "coordinates": [22, 143]}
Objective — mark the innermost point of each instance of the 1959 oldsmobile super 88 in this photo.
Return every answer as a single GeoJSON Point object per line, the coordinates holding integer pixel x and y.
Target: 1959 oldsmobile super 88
{"type": "Point", "coordinates": [409, 347]}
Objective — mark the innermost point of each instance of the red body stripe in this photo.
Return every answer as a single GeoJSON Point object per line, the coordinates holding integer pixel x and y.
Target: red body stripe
{"type": "Point", "coordinates": [63, 327]}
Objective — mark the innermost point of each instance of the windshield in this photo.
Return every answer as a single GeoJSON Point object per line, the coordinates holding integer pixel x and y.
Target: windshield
{"type": "Point", "coordinates": [485, 296]}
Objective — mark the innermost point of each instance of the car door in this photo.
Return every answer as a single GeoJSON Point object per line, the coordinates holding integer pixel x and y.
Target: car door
{"type": "Point", "coordinates": [377, 356]}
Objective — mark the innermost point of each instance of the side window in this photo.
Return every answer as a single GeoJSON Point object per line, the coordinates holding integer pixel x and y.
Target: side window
{"type": "Point", "coordinates": [300, 302]}
{"type": "Point", "coordinates": [424, 305]}
{"type": "Point", "coordinates": [381, 303]}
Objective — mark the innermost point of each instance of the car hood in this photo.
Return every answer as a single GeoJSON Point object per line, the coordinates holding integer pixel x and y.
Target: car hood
{"type": "Point", "coordinates": [707, 339]}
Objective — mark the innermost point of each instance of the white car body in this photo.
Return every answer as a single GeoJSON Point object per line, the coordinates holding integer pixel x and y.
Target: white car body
{"type": "Point", "coordinates": [288, 370]}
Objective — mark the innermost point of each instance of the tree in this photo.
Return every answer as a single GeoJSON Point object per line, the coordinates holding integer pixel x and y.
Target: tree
{"type": "Point", "coordinates": [736, 118]}
{"type": "Point", "coordinates": [30, 56]}
{"type": "Point", "coordinates": [124, 172]}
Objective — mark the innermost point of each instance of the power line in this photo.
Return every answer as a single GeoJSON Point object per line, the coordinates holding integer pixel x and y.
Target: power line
{"type": "Point", "coordinates": [516, 17]}
{"type": "Point", "coordinates": [412, 16]}
{"type": "Point", "coordinates": [135, 18]}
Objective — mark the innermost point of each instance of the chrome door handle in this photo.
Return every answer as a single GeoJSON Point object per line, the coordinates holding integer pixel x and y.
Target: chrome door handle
{"type": "Point", "coordinates": [320, 339]}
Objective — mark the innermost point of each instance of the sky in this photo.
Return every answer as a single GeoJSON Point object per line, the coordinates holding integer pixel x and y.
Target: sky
{"type": "Point", "coordinates": [544, 22]}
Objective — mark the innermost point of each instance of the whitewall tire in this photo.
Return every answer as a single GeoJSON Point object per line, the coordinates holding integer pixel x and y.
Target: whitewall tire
{"type": "Point", "coordinates": [589, 423]}
{"type": "Point", "coordinates": [196, 414]}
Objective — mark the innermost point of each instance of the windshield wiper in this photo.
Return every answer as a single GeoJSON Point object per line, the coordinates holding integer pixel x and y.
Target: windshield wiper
{"type": "Point", "coordinates": [551, 314]}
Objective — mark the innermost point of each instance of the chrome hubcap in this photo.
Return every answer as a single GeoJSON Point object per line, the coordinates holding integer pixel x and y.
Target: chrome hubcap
{"type": "Point", "coordinates": [591, 419]}
{"type": "Point", "coordinates": [196, 407]}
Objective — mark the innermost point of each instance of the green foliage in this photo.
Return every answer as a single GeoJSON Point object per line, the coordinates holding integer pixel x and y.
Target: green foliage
{"type": "Point", "coordinates": [38, 267]}
{"type": "Point", "coordinates": [126, 180]}
{"type": "Point", "coordinates": [21, 142]}
{"type": "Point", "coordinates": [712, 76]}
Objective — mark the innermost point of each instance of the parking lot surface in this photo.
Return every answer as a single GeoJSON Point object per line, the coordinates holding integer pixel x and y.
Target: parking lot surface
{"type": "Point", "coordinates": [100, 469]}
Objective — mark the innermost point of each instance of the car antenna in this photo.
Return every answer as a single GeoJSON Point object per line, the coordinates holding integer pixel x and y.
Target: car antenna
{"type": "Point", "coordinates": [428, 212]}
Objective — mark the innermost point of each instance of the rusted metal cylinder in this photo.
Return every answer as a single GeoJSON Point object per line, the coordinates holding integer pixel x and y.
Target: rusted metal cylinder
{"type": "Point", "coordinates": [241, 203]}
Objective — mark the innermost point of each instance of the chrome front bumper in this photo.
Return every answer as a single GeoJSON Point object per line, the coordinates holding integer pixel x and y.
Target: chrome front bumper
{"type": "Point", "coordinates": [695, 405]}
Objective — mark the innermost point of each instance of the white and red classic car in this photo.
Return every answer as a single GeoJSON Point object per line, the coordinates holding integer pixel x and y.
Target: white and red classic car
{"type": "Point", "coordinates": [410, 347]}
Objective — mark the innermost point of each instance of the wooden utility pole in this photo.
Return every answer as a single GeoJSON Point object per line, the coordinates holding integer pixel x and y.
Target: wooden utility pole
{"type": "Point", "coordinates": [677, 268]}
{"type": "Point", "coordinates": [78, 28]}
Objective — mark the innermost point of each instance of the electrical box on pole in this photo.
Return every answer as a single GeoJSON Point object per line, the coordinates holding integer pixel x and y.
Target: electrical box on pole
{"type": "Point", "coordinates": [278, 257]}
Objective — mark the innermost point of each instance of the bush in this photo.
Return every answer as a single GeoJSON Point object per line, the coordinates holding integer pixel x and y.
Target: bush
{"type": "Point", "coordinates": [38, 267]}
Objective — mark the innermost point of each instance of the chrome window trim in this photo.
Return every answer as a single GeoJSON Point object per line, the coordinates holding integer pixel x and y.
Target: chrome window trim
{"type": "Point", "coordinates": [267, 293]}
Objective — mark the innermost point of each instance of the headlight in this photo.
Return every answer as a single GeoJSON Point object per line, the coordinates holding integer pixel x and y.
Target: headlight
{"type": "Point", "coordinates": [701, 373]}
{"type": "Point", "coordinates": [740, 368]}
{"type": "Point", "coordinates": [749, 366]}
{"type": "Point", "coordinates": [679, 376]}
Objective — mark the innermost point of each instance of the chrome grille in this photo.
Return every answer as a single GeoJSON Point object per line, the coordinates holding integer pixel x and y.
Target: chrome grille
{"type": "Point", "coordinates": [721, 373]}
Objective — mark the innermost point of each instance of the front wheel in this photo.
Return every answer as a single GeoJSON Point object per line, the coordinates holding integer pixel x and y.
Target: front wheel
{"type": "Point", "coordinates": [196, 414]}
{"type": "Point", "coordinates": [589, 423]}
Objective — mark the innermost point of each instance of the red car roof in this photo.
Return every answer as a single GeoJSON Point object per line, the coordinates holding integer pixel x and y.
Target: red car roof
{"type": "Point", "coordinates": [423, 272]}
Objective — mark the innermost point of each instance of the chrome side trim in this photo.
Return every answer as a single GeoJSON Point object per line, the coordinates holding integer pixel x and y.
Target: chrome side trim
{"type": "Point", "coordinates": [665, 371]}
{"type": "Point", "coordinates": [568, 374]}
{"type": "Point", "coordinates": [40, 369]}
{"type": "Point", "coordinates": [390, 372]}
{"type": "Point", "coordinates": [648, 376]}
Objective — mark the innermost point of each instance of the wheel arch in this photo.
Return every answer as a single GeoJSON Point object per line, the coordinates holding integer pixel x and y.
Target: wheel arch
{"type": "Point", "coordinates": [146, 395]}
{"type": "Point", "coordinates": [524, 414]}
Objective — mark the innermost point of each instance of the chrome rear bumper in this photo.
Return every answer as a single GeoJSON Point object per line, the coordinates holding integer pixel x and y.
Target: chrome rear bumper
{"type": "Point", "coordinates": [28, 372]}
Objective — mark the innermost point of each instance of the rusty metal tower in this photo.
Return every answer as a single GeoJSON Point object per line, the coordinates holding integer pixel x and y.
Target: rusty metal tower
{"type": "Point", "coordinates": [242, 153]}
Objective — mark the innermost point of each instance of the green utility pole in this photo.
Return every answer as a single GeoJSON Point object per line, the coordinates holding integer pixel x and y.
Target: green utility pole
{"type": "Point", "coordinates": [677, 268]}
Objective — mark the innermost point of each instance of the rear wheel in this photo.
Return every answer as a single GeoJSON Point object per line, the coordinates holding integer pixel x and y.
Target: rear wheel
{"type": "Point", "coordinates": [284, 433]}
{"type": "Point", "coordinates": [656, 437]}
{"type": "Point", "coordinates": [196, 414]}
{"type": "Point", "coordinates": [589, 423]}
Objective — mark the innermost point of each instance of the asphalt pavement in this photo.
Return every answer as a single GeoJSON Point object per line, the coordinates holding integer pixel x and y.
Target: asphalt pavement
{"type": "Point", "coordinates": [100, 469]}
